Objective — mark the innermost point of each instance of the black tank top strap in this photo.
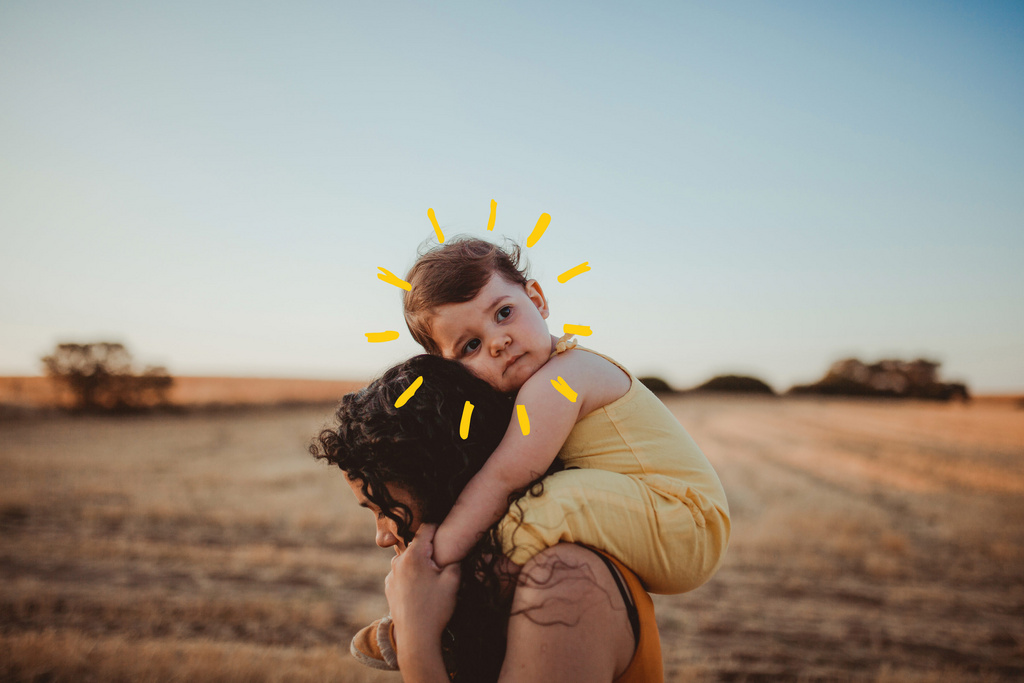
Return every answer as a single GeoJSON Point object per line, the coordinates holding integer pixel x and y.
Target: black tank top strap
{"type": "Point", "coordinates": [627, 598]}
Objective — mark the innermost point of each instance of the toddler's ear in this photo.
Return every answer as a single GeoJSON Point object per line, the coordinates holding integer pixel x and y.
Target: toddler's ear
{"type": "Point", "coordinates": [536, 295]}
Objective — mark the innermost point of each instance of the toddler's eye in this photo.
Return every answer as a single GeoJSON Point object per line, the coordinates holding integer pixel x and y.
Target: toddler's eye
{"type": "Point", "coordinates": [471, 345]}
{"type": "Point", "coordinates": [504, 312]}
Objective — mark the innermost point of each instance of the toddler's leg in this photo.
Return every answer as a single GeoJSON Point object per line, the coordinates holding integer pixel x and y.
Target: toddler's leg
{"type": "Point", "coordinates": [664, 536]}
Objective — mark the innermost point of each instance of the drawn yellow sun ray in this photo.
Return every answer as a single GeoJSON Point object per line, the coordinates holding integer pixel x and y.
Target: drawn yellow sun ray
{"type": "Point", "coordinates": [524, 419]}
{"type": "Point", "coordinates": [437, 228]}
{"type": "Point", "coordinates": [580, 330]}
{"type": "Point", "coordinates": [467, 411]}
{"type": "Point", "coordinates": [538, 230]}
{"type": "Point", "coordinates": [407, 394]}
{"type": "Point", "coordinates": [377, 337]}
{"type": "Point", "coordinates": [392, 279]}
{"type": "Point", "coordinates": [573, 272]}
{"type": "Point", "coordinates": [564, 389]}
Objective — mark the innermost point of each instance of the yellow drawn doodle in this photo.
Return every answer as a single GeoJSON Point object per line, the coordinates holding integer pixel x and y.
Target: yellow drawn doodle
{"type": "Point", "coordinates": [524, 419]}
{"type": "Point", "coordinates": [538, 230]}
{"type": "Point", "coordinates": [580, 330]}
{"type": "Point", "coordinates": [467, 411]}
{"type": "Point", "coordinates": [564, 389]}
{"type": "Point", "coordinates": [437, 228]}
{"type": "Point", "coordinates": [573, 272]}
{"type": "Point", "coordinates": [392, 279]}
{"type": "Point", "coordinates": [407, 394]}
{"type": "Point", "coordinates": [377, 337]}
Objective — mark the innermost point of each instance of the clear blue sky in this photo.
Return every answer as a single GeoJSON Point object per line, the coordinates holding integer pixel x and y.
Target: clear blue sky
{"type": "Point", "coordinates": [760, 188]}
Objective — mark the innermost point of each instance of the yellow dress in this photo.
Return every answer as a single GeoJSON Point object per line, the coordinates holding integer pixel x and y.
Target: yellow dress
{"type": "Point", "coordinates": [644, 493]}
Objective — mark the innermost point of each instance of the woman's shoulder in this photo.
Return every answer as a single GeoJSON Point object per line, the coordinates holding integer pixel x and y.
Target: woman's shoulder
{"type": "Point", "coordinates": [567, 600]}
{"type": "Point", "coordinates": [556, 572]}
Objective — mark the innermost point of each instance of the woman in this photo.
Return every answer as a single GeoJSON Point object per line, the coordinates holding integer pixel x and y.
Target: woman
{"type": "Point", "coordinates": [570, 614]}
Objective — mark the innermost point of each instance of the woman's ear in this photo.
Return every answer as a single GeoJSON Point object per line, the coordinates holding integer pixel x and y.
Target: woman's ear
{"type": "Point", "coordinates": [536, 295]}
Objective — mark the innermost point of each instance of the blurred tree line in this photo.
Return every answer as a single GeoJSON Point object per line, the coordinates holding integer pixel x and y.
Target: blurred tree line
{"type": "Point", "coordinates": [101, 377]}
{"type": "Point", "coordinates": [890, 378]}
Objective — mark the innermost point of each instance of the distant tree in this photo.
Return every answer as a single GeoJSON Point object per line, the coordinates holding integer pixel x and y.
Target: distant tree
{"type": "Point", "coordinates": [736, 384]}
{"type": "Point", "coordinates": [657, 385]}
{"type": "Point", "coordinates": [100, 376]}
{"type": "Point", "coordinates": [890, 378]}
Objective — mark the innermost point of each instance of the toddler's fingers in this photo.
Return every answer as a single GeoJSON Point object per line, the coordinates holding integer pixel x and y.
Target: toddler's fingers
{"type": "Point", "coordinates": [422, 545]}
{"type": "Point", "coordinates": [423, 541]}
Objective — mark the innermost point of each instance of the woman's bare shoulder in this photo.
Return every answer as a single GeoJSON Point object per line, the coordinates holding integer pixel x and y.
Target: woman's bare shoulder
{"type": "Point", "coordinates": [569, 621]}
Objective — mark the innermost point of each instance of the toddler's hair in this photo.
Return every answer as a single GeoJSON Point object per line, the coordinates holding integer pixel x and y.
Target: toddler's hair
{"type": "Point", "coordinates": [452, 273]}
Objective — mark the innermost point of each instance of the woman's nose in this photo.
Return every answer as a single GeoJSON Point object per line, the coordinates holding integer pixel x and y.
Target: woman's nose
{"type": "Point", "coordinates": [385, 537]}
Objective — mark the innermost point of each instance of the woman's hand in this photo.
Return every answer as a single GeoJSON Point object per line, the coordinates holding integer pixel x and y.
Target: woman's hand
{"type": "Point", "coordinates": [422, 599]}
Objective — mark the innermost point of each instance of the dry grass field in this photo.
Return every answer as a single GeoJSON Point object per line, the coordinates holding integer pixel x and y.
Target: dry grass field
{"type": "Point", "coordinates": [872, 542]}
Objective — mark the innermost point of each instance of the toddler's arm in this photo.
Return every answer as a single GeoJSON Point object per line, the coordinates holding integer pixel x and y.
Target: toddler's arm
{"type": "Point", "coordinates": [519, 458]}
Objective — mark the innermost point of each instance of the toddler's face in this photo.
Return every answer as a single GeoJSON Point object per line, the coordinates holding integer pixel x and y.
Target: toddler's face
{"type": "Point", "coordinates": [499, 335]}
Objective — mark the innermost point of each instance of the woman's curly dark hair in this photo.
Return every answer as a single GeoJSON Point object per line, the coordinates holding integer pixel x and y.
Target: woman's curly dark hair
{"type": "Point", "coordinates": [418, 446]}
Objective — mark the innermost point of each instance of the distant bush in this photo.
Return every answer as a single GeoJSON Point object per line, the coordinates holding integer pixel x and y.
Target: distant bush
{"type": "Point", "coordinates": [737, 384]}
{"type": "Point", "coordinates": [657, 385]}
{"type": "Point", "coordinates": [101, 378]}
{"type": "Point", "coordinates": [833, 385]}
{"type": "Point", "coordinates": [885, 379]}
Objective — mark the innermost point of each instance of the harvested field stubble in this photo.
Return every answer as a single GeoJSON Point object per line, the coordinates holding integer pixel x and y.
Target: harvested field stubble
{"type": "Point", "coordinates": [872, 541]}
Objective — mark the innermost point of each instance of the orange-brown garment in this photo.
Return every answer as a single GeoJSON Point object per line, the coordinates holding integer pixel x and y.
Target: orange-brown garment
{"type": "Point", "coordinates": [646, 665]}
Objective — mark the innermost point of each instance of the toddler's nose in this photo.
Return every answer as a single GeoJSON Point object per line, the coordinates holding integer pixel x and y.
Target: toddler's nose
{"type": "Point", "coordinates": [499, 343]}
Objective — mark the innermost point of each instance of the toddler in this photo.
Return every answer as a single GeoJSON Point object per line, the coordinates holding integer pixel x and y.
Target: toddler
{"type": "Point", "coordinates": [639, 488]}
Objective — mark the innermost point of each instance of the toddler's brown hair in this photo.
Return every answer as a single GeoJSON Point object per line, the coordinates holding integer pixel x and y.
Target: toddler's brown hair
{"type": "Point", "coordinates": [453, 273]}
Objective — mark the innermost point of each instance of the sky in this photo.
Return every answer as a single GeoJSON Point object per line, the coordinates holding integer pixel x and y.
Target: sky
{"type": "Point", "coordinates": [759, 188]}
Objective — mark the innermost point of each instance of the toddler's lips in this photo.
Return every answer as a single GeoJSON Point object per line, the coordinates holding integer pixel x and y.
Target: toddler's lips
{"type": "Point", "coordinates": [512, 362]}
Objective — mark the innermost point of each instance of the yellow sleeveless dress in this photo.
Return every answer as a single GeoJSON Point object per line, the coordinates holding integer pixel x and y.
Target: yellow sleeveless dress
{"type": "Point", "coordinates": [643, 492]}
